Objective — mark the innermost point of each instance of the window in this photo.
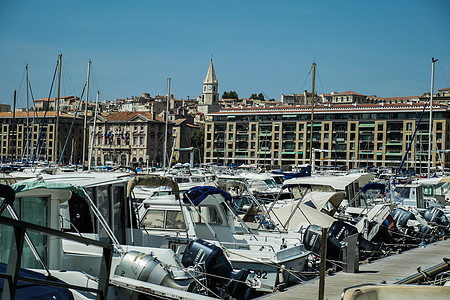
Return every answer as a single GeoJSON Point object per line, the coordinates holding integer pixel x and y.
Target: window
{"type": "Point", "coordinates": [141, 140]}
{"type": "Point", "coordinates": [164, 219]}
{"type": "Point", "coordinates": [153, 219]}
{"type": "Point", "coordinates": [253, 127]}
{"type": "Point", "coordinates": [208, 214]}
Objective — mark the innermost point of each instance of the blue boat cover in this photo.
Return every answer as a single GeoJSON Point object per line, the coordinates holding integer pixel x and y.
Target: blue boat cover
{"type": "Point", "coordinates": [373, 186]}
{"type": "Point", "coordinates": [27, 290]}
{"type": "Point", "coordinates": [305, 172]}
{"type": "Point", "coordinates": [198, 193]}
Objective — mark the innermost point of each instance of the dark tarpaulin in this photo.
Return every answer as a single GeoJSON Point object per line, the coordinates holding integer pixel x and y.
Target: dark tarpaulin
{"type": "Point", "coordinates": [199, 193]}
{"type": "Point", "coordinates": [305, 172]}
{"type": "Point", "coordinates": [26, 290]}
{"type": "Point", "coordinates": [373, 186]}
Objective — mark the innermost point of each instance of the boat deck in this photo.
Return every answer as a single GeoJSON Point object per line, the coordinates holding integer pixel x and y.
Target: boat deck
{"type": "Point", "coordinates": [389, 269]}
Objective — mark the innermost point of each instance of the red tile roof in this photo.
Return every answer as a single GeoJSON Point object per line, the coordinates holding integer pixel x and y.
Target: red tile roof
{"type": "Point", "coordinates": [128, 115]}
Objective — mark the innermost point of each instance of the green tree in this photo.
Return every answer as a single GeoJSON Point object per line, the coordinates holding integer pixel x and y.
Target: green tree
{"type": "Point", "coordinates": [253, 96]}
{"type": "Point", "coordinates": [261, 96]}
{"type": "Point", "coordinates": [197, 139]}
{"type": "Point", "coordinates": [230, 95]}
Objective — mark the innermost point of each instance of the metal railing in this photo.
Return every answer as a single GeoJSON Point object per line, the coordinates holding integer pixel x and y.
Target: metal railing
{"type": "Point", "coordinates": [12, 276]}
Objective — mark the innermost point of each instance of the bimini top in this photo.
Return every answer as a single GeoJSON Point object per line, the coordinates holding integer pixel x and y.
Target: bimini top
{"type": "Point", "coordinates": [32, 185]}
{"type": "Point", "coordinates": [197, 194]}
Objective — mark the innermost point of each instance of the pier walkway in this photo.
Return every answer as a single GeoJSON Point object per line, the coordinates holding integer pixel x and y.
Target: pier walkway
{"type": "Point", "coordinates": [389, 269]}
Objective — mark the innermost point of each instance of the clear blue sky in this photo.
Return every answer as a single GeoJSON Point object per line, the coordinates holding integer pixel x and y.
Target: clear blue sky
{"type": "Point", "coordinates": [371, 47]}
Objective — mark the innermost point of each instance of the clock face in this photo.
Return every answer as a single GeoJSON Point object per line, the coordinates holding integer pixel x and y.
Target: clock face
{"type": "Point", "coordinates": [209, 86]}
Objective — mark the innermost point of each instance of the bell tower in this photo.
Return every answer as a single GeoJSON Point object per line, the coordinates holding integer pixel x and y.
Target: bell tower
{"type": "Point", "coordinates": [209, 100]}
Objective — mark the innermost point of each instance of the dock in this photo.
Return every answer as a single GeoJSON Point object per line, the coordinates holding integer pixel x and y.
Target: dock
{"type": "Point", "coordinates": [388, 269]}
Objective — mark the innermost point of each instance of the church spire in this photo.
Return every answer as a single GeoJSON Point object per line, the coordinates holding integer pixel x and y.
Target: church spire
{"type": "Point", "coordinates": [211, 76]}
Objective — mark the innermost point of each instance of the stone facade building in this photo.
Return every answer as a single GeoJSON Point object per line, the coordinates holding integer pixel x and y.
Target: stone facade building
{"type": "Point", "coordinates": [129, 139]}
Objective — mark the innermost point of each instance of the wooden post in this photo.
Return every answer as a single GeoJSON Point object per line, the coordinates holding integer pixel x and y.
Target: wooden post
{"type": "Point", "coordinates": [323, 263]}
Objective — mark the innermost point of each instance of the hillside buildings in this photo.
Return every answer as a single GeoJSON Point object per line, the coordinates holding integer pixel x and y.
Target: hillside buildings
{"type": "Point", "coordinates": [349, 130]}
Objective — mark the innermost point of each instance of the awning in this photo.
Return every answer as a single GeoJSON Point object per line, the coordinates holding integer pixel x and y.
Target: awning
{"type": "Point", "coordinates": [366, 125]}
{"type": "Point", "coordinates": [394, 153]}
{"type": "Point", "coordinates": [289, 116]}
{"type": "Point", "coordinates": [231, 117]}
{"type": "Point", "coordinates": [287, 152]}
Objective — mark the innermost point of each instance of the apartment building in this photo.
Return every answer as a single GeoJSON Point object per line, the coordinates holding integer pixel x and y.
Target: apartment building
{"type": "Point", "coordinates": [23, 138]}
{"type": "Point", "coordinates": [351, 135]}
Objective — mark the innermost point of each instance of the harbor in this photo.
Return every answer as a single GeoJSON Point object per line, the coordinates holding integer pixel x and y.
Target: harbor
{"type": "Point", "coordinates": [238, 150]}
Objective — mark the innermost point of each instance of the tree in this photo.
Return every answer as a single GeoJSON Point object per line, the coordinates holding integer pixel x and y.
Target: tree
{"type": "Point", "coordinates": [257, 97]}
{"type": "Point", "coordinates": [197, 141]}
{"type": "Point", "coordinates": [261, 96]}
{"type": "Point", "coordinates": [230, 95]}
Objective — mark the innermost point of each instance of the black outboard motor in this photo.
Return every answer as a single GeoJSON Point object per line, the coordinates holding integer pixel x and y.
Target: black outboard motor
{"type": "Point", "coordinates": [211, 259]}
{"type": "Point", "coordinates": [436, 215]}
{"type": "Point", "coordinates": [401, 217]}
{"type": "Point", "coordinates": [338, 231]}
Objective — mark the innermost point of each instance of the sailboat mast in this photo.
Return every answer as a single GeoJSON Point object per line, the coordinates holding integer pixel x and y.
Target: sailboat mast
{"type": "Point", "coordinates": [430, 124]}
{"type": "Point", "coordinates": [312, 114]}
{"type": "Point", "coordinates": [167, 124]}
{"type": "Point", "coordinates": [27, 139]}
{"type": "Point", "coordinates": [56, 141]}
{"type": "Point", "coordinates": [93, 131]}
{"type": "Point", "coordinates": [85, 114]}
{"type": "Point", "coordinates": [13, 128]}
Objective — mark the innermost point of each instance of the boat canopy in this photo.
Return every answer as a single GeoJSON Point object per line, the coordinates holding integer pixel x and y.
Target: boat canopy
{"type": "Point", "coordinates": [338, 183]}
{"type": "Point", "coordinates": [373, 186]}
{"type": "Point", "coordinates": [291, 216]}
{"type": "Point", "coordinates": [199, 193]}
{"type": "Point", "coordinates": [153, 180]}
{"type": "Point", "coordinates": [323, 200]}
{"type": "Point", "coordinates": [32, 185]}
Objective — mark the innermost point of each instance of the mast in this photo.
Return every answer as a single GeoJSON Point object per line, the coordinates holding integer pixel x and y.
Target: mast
{"type": "Point", "coordinates": [56, 140]}
{"type": "Point", "coordinates": [430, 124]}
{"type": "Point", "coordinates": [312, 114]}
{"type": "Point", "coordinates": [27, 139]}
{"type": "Point", "coordinates": [167, 124]}
{"type": "Point", "coordinates": [85, 113]}
{"type": "Point", "coordinates": [93, 131]}
{"type": "Point", "coordinates": [12, 129]}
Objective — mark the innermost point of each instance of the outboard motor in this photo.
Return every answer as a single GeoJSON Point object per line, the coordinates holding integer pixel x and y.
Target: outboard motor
{"type": "Point", "coordinates": [338, 231]}
{"type": "Point", "coordinates": [436, 215]}
{"type": "Point", "coordinates": [220, 277]}
{"type": "Point", "coordinates": [401, 217]}
{"type": "Point", "coordinates": [146, 267]}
